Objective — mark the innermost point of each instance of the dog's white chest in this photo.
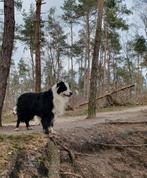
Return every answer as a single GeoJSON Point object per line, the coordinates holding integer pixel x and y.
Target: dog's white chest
{"type": "Point", "coordinates": [60, 105]}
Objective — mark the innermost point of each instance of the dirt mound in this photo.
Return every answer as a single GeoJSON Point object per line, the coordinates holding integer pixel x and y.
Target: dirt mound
{"type": "Point", "coordinates": [103, 151]}
{"type": "Point", "coordinates": [109, 151]}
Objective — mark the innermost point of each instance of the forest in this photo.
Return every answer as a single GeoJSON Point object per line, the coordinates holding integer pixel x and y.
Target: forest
{"type": "Point", "coordinates": [100, 49]}
{"type": "Point", "coordinates": [66, 48]}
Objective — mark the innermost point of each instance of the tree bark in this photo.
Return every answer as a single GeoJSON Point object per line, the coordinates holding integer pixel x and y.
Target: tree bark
{"type": "Point", "coordinates": [87, 66]}
{"type": "Point", "coordinates": [37, 47]}
{"type": "Point", "coordinates": [71, 53]}
{"type": "Point", "coordinates": [6, 51]}
{"type": "Point", "coordinates": [94, 70]}
{"type": "Point", "coordinates": [33, 68]}
{"type": "Point", "coordinates": [54, 160]}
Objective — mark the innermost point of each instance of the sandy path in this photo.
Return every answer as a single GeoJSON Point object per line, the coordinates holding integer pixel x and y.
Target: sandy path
{"type": "Point", "coordinates": [65, 123]}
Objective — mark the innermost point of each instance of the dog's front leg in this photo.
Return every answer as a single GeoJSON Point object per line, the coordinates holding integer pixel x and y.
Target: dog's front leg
{"type": "Point", "coordinates": [45, 125]}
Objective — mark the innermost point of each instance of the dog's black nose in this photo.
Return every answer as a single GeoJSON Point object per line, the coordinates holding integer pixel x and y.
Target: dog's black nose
{"type": "Point", "coordinates": [71, 93]}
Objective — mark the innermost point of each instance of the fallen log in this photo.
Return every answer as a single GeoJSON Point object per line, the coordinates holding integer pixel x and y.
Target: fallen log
{"type": "Point", "coordinates": [110, 93]}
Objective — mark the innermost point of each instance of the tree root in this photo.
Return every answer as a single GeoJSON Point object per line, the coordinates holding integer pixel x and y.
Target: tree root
{"type": "Point", "coordinates": [58, 142]}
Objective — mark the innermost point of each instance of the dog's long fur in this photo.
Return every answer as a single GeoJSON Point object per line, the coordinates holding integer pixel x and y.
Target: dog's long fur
{"type": "Point", "coordinates": [45, 105]}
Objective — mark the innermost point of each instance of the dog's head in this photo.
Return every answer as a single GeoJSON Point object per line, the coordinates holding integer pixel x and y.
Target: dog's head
{"type": "Point", "coordinates": [63, 89]}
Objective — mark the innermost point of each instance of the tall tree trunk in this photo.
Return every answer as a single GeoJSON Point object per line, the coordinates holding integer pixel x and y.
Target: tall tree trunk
{"type": "Point", "coordinates": [105, 56]}
{"type": "Point", "coordinates": [88, 40]}
{"type": "Point", "coordinates": [109, 68]}
{"type": "Point", "coordinates": [33, 68]}
{"type": "Point", "coordinates": [94, 70]}
{"type": "Point", "coordinates": [138, 92]}
{"type": "Point", "coordinates": [37, 47]}
{"type": "Point", "coordinates": [6, 51]}
{"type": "Point", "coordinates": [71, 52]}
{"type": "Point", "coordinates": [87, 66]}
{"type": "Point", "coordinates": [58, 64]}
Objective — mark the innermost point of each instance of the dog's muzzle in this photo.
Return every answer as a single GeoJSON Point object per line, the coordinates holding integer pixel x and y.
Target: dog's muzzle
{"type": "Point", "coordinates": [68, 95]}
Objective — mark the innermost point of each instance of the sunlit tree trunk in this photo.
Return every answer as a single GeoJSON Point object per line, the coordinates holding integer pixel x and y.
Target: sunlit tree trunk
{"type": "Point", "coordinates": [37, 47]}
{"type": "Point", "coordinates": [71, 53]}
{"type": "Point", "coordinates": [6, 51]}
{"type": "Point", "coordinates": [87, 66]}
{"type": "Point", "coordinates": [94, 70]}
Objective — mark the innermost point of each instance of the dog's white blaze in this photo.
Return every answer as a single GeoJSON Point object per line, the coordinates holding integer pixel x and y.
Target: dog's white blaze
{"type": "Point", "coordinates": [60, 102]}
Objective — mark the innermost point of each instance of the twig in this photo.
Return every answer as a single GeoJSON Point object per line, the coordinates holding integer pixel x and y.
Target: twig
{"type": "Point", "coordinates": [70, 173]}
{"type": "Point", "coordinates": [84, 154]}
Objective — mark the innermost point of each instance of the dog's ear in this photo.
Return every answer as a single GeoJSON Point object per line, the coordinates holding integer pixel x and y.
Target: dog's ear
{"type": "Point", "coordinates": [59, 84]}
{"type": "Point", "coordinates": [61, 87]}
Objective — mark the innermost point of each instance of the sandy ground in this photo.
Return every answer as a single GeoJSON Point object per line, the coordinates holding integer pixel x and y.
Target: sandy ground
{"type": "Point", "coordinates": [136, 114]}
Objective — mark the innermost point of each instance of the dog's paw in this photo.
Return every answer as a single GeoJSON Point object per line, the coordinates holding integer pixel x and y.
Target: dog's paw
{"type": "Point", "coordinates": [46, 131]}
{"type": "Point", "coordinates": [52, 131]}
{"type": "Point", "coordinates": [16, 129]}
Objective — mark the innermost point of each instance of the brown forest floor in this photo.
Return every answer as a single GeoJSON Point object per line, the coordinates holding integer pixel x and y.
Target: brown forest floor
{"type": "Point", "coordinates": [102, 149]}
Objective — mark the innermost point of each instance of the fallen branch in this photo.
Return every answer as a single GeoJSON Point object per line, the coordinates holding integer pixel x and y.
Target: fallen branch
{"type": "Point", "coordinates": [126, 122]}
{"type": "Point", "coordinates": [110, 93]}
{"type": "Point", "coordinates": [120, 146]}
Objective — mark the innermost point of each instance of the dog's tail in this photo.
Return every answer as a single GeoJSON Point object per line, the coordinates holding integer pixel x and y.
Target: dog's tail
{"type": "Point", "coordinates": [14, 110]}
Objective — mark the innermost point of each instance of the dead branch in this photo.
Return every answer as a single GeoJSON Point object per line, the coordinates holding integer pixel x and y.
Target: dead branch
{"type": "Point", "coordinates": [70, 173]}
{"type": "Point", "coordinates": [126, 122]}
{"type": "Point", "coordinates": [83, 154]}
{"type": "Point", "coordinates": [119, 145]}
{"type": "Point", "coordinates": [110, 93]}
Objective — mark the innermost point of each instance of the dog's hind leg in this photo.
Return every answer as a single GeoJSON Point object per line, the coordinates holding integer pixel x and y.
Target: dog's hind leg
{"type": "Point", "coordinates": [17, 125]}
{"type": "Point", "coordinates": [51, 129]}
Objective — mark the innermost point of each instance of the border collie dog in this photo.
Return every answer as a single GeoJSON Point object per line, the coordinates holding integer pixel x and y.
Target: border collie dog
{"type": "Point", "coordinates": [45, 105]}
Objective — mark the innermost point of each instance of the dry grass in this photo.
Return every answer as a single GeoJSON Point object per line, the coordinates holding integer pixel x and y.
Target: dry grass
{"type": "Point", "coordinates": [10, 145]}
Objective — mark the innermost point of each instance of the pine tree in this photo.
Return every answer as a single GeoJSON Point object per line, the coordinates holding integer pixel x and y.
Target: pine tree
{"type": "Point", "coordinates": [37, 46]}
{"type": "Point", "coordinates": [6, 51]}
{"type": "Point", "coordinates": [69, 16]}
{"type": "Point", "coordinates": [94, 70]}
{"type": "Point", "coordinates": [85, 11]}
{"type": "Point", "coordinates": [56, 43]}
{"type": "Point", "coordinates": [26, 34]}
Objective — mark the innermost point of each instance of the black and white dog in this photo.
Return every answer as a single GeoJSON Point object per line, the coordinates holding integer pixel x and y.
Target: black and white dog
{"type": "Point", "coordinates": [45, 105]}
